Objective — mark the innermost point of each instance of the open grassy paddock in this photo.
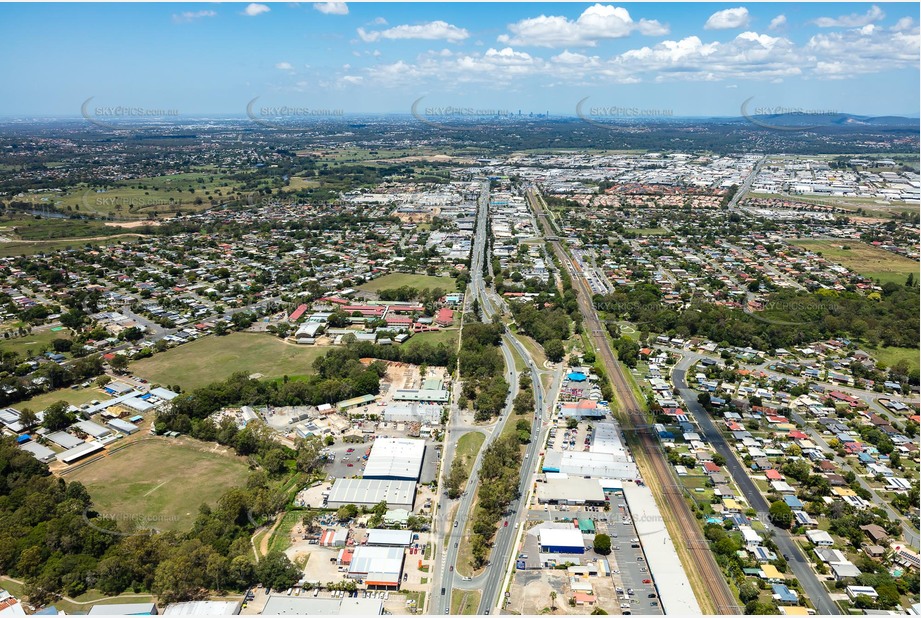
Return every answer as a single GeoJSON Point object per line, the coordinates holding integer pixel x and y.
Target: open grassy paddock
{"type": "Point", "coordinates": [447, 337]}
{"type": "Point", "coordinates": [398, 280]}
{"type": "Point", "coordinates": [34, 343]}
{"type": "Point", "coordinates": [75, 397]}
{"type": "Point", "coordinates": [161, 482]}
{"type": "Point", "coordinates": [23, 247]}
{"type": "Point", "coordinates": [648, 231]}
{"type": "Point", "coordinates": [890, 356]}
{"type": "Point", "coordinates": [871, 206]}
{"type": "Point", "coordinates": [143, 197]}
{"type": "Point", "coordinates": [863, 259]}
{"type": "Point", "coordinates": [212, 358]}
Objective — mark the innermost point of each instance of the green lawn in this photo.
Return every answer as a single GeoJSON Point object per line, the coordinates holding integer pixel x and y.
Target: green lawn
{"type": "Point", "coordinates": [648, 231]}
{"type": "Point", "coordinates": [33, 344]}
{"type": "Point", "coordinates": [8, 249]}
{"type": "Point", "coordinates": [863, 259]}
{"type": "Point", "coordinates": [75, 397]}
{"type": "Point", "coordinates": [398, 280]}
{"type": "Point", "coordinates": [212, 358]}
{"type": "Point", "coordinates": [448, 337]}
{"type": "Point", "coordinates": [33, 228]}
{"type": "Point", "coordinates": [890, 356]}
{"type": "Point", "coordinates": [160, 195]}
{"type": "Point", "coordinates": [161, 482]}
{"type": "Point", "coordinates": [84, 601]}
{"type": "Point", "coordinates": [467, 448]}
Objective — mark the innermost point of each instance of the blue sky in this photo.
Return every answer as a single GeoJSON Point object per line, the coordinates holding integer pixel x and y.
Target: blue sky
{"type": "Point", "coordinates": [682, 59]}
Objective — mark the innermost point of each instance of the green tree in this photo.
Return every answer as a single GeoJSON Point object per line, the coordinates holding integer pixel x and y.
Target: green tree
{"type": "Point", "coordinates": [602, 544]}
{"type": "Point", "coordinates": [119, 362]}
{"type": "Point", "coordinates": [309, 453]}
{"type": "Point", "coordinates": [555, 350]}
{"type": "Point", "coordinates": [57, 417]}
{"type": "Point", "coordinates": [748, 592]}
{"type": "Point", "coordinates": [277, 571]}
{"type": "Point", "coordinates": [27, 418]}
{"type": "Point", "coordinates": [346, 512]}
{"type": "Point", "coordinates": [781, 514]}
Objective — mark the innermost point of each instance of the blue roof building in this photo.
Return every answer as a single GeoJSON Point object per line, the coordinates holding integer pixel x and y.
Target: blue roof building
{"type": "Point", "coordinates": [782, 594]}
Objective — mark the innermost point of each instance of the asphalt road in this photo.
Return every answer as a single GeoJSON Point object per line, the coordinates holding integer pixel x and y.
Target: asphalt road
{"type": "Point", "coordinates": [812, 587]}
{"type": "Point", "coordinates": [910, 534]}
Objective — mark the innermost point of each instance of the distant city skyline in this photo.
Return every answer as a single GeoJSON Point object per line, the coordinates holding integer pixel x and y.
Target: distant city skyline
{"type": "Point", "coordinates": [457, 59]}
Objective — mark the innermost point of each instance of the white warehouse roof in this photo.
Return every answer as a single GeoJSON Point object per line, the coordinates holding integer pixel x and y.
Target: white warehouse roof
{"type": "Point", "coordinates": [580, 463]}
{"type": "Point", "coordinates": [396, 538]}
{"type": "Point", "coordinates": [661, 556]}
{"type": "Point", "coordinates": [372, 491]}
{"type": "Point", "coordinates": [561, 537]}
{"type": "Point", "coordinates": [382, 564]}
{"type": "Point", "coordinates": [395, 458]}
{"type": "Point", "coordinates": [606, 439]}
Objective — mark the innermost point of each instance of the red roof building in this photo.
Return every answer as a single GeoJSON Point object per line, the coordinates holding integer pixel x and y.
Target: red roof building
{"type": "Point", "coordinates": [297, 313]}
{"type": "Point", "coordinates": [444, 317]}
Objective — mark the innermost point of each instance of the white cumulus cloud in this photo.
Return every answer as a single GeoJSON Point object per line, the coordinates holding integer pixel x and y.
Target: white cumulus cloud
{"type": "Point", "coordinates": [430, 31]}
{"type": "Point", "coordinates": [596, 23]}
{"type": "Point", "coordinates": [284, 66]}
{"type": "Point", "coordinates": [255, 8]}
{"type": "Point", "coordinates": [854, 20]}
{"type": "Point", "coordinates": [332, 8]}
{"type": "Point", "coordinates": [727, 19]}
{"type": "Point", "coordinates": [778, 22]}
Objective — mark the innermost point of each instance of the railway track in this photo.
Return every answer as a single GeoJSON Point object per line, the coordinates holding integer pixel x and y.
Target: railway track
{"type": "Point", "coordinates": [712, 587]}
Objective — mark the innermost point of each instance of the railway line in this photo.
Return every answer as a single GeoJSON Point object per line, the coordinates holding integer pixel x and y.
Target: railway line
{"type": "Point", "coordinates": [712, 588]}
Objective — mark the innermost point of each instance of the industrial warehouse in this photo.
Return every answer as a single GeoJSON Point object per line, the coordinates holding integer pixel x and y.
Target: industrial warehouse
{"type": "Point", "coordinates": [369, 492]}
{"type": "Point", "coordinates": [395, 459]}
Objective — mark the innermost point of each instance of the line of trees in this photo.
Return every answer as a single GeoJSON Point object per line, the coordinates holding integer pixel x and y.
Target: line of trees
{"type": "Point", "coordinates": [483, 368]}
{"type": "Point", "coordinates": [885, 318]}
{"type": "Point", "coordinates": [499, 471]}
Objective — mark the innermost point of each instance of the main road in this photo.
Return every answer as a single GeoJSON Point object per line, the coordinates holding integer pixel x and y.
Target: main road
{"type": "Point", "coordinates": [445, 576]}
{"type": "Point", "coordinates": [812, 587]}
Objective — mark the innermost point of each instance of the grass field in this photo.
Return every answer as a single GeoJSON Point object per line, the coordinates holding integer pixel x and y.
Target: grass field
{"type": "Point", "coordinates": [648, 231]}
{"type": "Point", "coordinates": [33, 344]}
{"type": "Point", "coordinates": [296, 183]}
{"type": "Point", "coordinates": [139, 198]}
{"type": "Point", "coordinates": [872, 207]}
{"type": "Point", "coordinates": [467, 448]}
{"type": "Point", "coordinates": [890, 356]}
{"type": "Point", "coordinates": [397, 280]}
{"type": "Point", "coordinates": [448, 337]}
{"type": "Point", "coordinates": [161, 482]}
{"type": "Point", "coordinates": [13, 248]}
{"type": "Point", "coordinates": [863, 259]}
{"type": "Point", "coordinates": [535, 349]}
{"type": "Point", "coordinates": [211, 358]}
{"type": "Point", "coordinates": [464, 602]}
{"type": "Point", "coordinates": [75, 397]}
{"type": "Point", "coordinates": [32, 228]}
